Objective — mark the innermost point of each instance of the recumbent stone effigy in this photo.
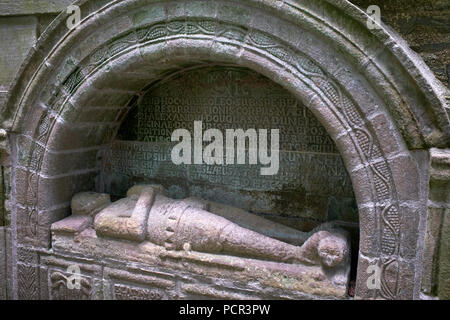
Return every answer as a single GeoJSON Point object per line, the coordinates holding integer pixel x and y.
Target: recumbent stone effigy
{"type": "Point", "coordinates": [147, 215]}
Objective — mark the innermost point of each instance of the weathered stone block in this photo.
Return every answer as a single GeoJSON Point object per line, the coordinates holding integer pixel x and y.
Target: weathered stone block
{"type": "Point", "coordinates": [142, 148]}
{"type": "Point", "coordinates": [45, 20]}
{"type": "Point", "coordinates": [437, 245]}
{"type": "Point", "coordinates": [405, 171]}
{"type": "Point", "coordinates": [363, 289]}
{"type": "Point", "coordinates": [9, 265]}
{"type": "Point", "coordinates": [200, 9]}
{"type": "Point", "coordinates": [123, 292]}
{"type": "Point", "coordinates": [431, 251]}
{"type": "Point", "coordinates": [17, 35]}
{"type": "Point", "coordinates": [37, 116]}
{"type": "Point", "coordinates": [23, 7]}
{"type": "Point", "coordinates": [65, 163]}
{"type": "Point", "coordinates": [175, 9]}
{"type": "Point", "coordinates": [27, 255]}
{"type": "Point", "coordinates": [234, 14]}
{"type": "Point", "coordinates": [369, 243]}
{"type": "Point", "coordinates": [363, 192]}
{"type": "Point", "coordinates": [60, 190]}
{"type": "Point", "coordinates": [128, 285]}
{"type": "Point", "coordinates": [352, 157]}
{"type": "Point", "coordinates": [26, 182]}
{"type": "Point", "coordinates": [407, 274]}
{"type": "Point", "coordinates": [67, 137]}
{"type": "Point", "coordinates": [101, 98]}
{"type": "Point", "coordinates": [3, 95]}
{"type": "Point", "coordinates": [150, 15]}
{"type": "Point", "coordinates": [56, 271]}
{"type": "Point", "coordinates": [3, 269]}
{"type": "Point", "coordinates": [409, 227]}
{"type": "Point", "coordinates": [24, 145]}
{"type": "Point", "coordinates": [92, 115]}
{"type": "Point", "coordinates": [46, 218]}
{"type": "Point", "coordinates": [396, 77]}
{"type": "Point", "coordinates": [28, 284]}
{"type": "Point", "coordinates": [43, 278]}
{"type": "Point", "coordinates": [27, 225]}
{"type": "Point", "coordinates": [389, 141]}
{"type": "Point", "coordinates": [34, 226]}
{"type": "Point", "coordinates": [124, 82]}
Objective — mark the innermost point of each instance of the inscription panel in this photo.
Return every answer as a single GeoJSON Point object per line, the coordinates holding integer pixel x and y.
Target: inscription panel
{"type": "Point", "coordinates": [311, 183]}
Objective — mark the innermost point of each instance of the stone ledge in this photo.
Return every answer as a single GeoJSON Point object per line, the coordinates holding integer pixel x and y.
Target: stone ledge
{"type": "Point", "coordinates": [440, 164]}
{"type": "Point", "coordinates": [295, 281]}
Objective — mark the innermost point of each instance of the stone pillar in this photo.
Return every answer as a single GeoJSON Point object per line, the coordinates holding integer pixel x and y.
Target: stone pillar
{"type": "Point", "coordinates": [2, 264]}
{"type": "Point", "coordinates": [436, 269]}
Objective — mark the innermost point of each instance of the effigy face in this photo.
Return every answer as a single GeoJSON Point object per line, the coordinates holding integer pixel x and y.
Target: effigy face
{"type": "Point", "coordinates": [149, 227]}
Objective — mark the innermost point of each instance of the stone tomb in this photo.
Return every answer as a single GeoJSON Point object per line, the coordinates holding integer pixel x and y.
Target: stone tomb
{"type": "Point", "coordinates": [92, 110]}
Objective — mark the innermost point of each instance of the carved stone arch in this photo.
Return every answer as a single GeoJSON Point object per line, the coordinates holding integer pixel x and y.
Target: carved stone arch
{"type": "Point", "coordinates": [376, 100]}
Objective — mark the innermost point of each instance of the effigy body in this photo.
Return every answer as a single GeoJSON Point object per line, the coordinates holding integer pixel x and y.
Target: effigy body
{"type": "Point", "coordinates": [147, 214]}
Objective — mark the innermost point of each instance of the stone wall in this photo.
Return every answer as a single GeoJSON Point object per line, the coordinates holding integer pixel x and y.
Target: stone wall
{"type": "Point", "coordinates": [21, 23]}
{"type": "Point", "coordinates": [5, 266]}
{"type": "Point", "coordinates": [424, 25]}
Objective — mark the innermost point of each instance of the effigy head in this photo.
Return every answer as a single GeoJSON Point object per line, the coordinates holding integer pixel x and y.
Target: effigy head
{"type": "Point", "coordinates": [332, 250]}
